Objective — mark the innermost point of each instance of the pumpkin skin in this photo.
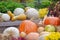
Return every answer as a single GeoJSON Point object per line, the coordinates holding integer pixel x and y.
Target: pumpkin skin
{"type": "Point", "coordinates": [51, 21]}
{"type": "Point", "coordinates": [28, 26]}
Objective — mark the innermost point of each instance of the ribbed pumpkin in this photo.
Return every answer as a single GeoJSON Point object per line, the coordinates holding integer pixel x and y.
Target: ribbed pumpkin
{"type": "Point", "coordinates": [27, 26]}
{"type": "Point", "coordinates": [52, 21]}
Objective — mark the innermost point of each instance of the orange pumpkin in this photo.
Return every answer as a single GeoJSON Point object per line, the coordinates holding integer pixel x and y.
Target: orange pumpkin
{"type": "Point", "coordinates": [52, 21]}
{"type": "Point", "coordinates": [28, 26]}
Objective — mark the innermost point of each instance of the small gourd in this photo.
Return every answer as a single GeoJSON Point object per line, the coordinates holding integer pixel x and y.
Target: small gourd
{"type": "Point", "coordinates": [10, 14]}
{"type": "Point", "coordinates": [19, 17]}
{"type": "Point", "coordinates": [5, 17]}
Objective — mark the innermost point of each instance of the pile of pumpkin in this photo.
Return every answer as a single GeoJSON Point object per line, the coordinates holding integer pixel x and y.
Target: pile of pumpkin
{"type": "Point", "coordinates": [23, 14]}
{"type": "Point", "coordinates": [29, 30]}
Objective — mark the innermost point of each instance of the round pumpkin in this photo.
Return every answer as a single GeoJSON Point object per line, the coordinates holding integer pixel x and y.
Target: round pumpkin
{"type": "Point", "coordinates": [18, 11]}
{"type": "Point", "coordinates": [51, 21]}
{"type": "Point", "coordinates": [32, 13]}
{"type": "Point", "coordinates": [5, 17]}
{"type": "Point", "coordinates": [32, 36]}
{"type": "Point", "coordinates": [12, 31]}
{"type": "Point", "coordinates": [28, 26]}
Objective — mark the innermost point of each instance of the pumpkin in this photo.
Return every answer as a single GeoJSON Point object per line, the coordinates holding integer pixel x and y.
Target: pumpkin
{"type": "Point", "coordinates": [32, 36]}
{"type": "Point", "coordinates": [27, 26]}
{"type": "Point", "coordinates": [18, 11]}
{"type": "Point", "coordinates": [12, 31]}
{"type": "Point", "coordinates": [32, 13]}
{"type": "Point", "coordinates": [51, 21]}
{"type": "Point", "coordinates": [5, 17]}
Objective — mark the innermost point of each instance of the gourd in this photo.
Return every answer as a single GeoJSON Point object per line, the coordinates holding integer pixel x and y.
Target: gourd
{"type": "Point", "coordinates": [12, 31]}
{"type": "Point", "coordinates": [19, 17]}
{"type": "Point", "coordinates": [18, 11]}
{"type": "Point", "coordinates": [28, 26]}
{"type": "Point", "coordinates": [10, 14]}
{"type": "Point", "coordinates": [5, 17]}
{"type": "Point", "coordinates": [40, 29]}
{"type": "Point", "coordinates": [32, 13]}
{"type": "Point", "coordinates": [50, 28]}
{"type": "Point", "coordinates": [22, 34]}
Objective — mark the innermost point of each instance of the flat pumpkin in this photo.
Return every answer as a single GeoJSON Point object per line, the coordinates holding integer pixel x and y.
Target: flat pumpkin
{"type": "Point", "coordinates": [52, 21]}
{"type": "Point", "coordinates": [28, 26]}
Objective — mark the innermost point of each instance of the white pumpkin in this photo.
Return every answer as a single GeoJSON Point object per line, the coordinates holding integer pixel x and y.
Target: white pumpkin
{"type": "Point", "coordinates": [5, 17]}
{"type": "Point", "coordinates": [18, 11]}
{"type": "Point", "coordinates": [12, 30]}
{"type": "Point", "coordinates": [32, 13]}
{"type": "Point", "coordinates": [42, 35]}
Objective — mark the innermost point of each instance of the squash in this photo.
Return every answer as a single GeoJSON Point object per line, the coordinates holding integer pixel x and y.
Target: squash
{"type": "Point", "coordinates": [5, 17]}
{"type": "Point", "coordinates": [32, 36]}
{"type": "Point", "coordinates": [51, 21]}
{"type": "Point", "coordinates": [22, 34]}
{"type": "Point", "coordinates": [50, 28]}
{"type": "Point", "coordinates": [19, 17]}
{"type": "Point", "coordinates": [18, 11]}
{"type": "Point", "coordinates": [28, 26]}
{"type": "Point", "coordinates": [10, 14]}
{"type": "Point", "coordinates": [12, 31]}
{"type": "Point", "coordinates": [32, 13]}
{"type": "Point", "coordinates": [40, 29]}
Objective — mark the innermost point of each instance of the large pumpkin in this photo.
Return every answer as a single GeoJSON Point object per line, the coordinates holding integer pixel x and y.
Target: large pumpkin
{"type": "Point", "coordinates": [27, 26]}
{"type": "Point", "coordinates": [52, 21]}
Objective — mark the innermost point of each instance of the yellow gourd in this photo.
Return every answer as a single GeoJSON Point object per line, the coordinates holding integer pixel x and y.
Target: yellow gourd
{"type": "Point", "coordinates": [19, 17]}
{"type": "Point", "coordinates": [14, 18]}
{"type": "Point", "coordinates": [10, 14]}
